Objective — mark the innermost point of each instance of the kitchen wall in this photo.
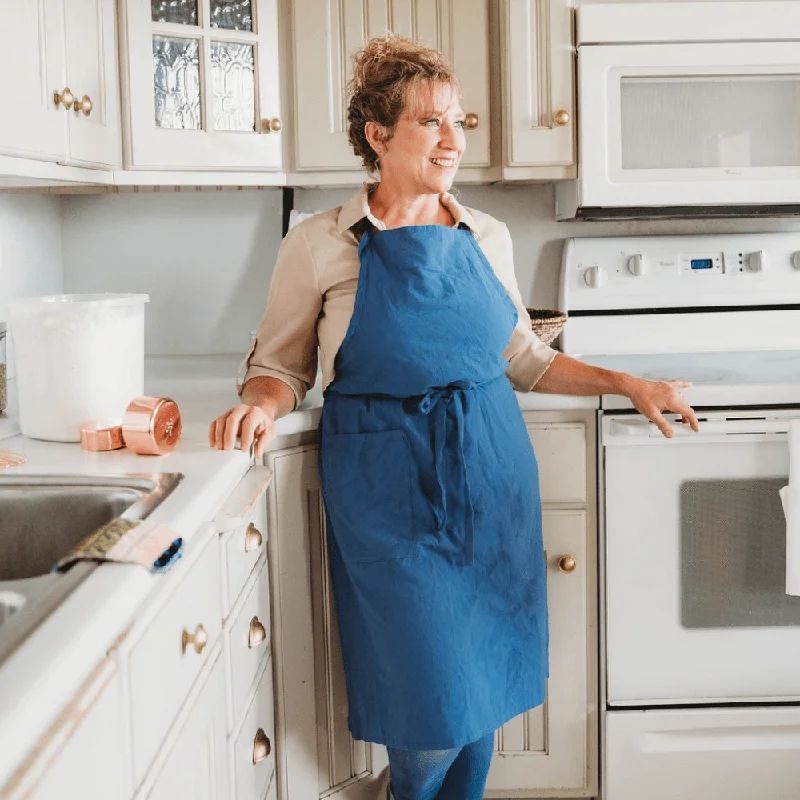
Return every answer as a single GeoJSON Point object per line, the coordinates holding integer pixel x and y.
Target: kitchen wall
{"type": "Point", "coordinates": [30, 247]}
{"type": "Point", "coordinates": [206, 258]}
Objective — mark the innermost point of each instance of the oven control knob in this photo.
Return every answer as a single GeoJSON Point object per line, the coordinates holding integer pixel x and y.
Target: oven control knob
{"type": "Point", "coordinates": [595, 277]}
{"type": "Point", "coordinates": [637, 265]}
{"type": "Point", "coordinates": [757, 261]}
{"type": "Point", "coordinates": [796, 260]}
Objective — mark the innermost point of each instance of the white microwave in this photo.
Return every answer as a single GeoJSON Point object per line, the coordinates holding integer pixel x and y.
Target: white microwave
{"type": "Point", "coordinates": [686, 109]}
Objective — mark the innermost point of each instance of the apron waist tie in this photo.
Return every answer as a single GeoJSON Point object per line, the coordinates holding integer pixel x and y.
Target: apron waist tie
{"type": "Point", "coordinates": [447, 401]}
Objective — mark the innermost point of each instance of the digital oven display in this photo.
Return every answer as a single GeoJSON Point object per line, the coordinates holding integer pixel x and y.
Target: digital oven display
{"type": "Point", "coordinates": [701, 263]}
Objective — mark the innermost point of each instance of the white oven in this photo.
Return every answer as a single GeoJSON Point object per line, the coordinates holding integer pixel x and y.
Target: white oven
{"type": "Point", "coordinates": [687, 105]}
{"type": "Point", "coordinates": [700, 661]}
{"type": "Point", "coordinates": [696, 562]}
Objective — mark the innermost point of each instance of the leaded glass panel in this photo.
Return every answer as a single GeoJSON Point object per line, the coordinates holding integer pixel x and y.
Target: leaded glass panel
{"type": "Point", "coordinates": [180, 12]}
{"type": "Point", "coordinates": [176, 82]}
{"type": "Point", "coordinates": [233, 86]}
{"type": "Point", "coordinates": [235, 15]}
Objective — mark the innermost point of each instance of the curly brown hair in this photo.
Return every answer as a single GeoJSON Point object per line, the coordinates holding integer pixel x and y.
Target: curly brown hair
{"type": "Point", "coordinates": [385, 73]}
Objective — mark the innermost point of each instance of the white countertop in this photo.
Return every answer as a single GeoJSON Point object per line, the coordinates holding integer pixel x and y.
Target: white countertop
{"type": "Point", "coordinates": [39, 678]}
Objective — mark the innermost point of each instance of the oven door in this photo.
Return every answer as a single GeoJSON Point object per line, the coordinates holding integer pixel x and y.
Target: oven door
{"type": "Point", "coordinates": [689, 124]}
{"type": "Point", "coordinates": [695, 562]}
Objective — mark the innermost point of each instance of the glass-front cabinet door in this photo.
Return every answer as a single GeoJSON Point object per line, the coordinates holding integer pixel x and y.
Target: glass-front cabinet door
{"type": "Point", "coordinates": [203, 85]}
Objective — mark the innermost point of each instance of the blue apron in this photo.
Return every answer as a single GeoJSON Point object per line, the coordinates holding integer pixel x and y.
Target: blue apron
{"type": "Point", "coordinates": [431, 492]}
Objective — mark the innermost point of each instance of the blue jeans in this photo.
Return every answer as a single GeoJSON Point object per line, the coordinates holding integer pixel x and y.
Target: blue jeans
{"type": "Point", "coordinates": [458, 774]}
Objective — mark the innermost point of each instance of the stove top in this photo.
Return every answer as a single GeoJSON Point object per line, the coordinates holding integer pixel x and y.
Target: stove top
{"type": "Point", "coordinates": [724, 379]}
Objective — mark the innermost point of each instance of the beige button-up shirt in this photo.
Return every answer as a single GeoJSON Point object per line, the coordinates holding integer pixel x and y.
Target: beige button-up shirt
{"type": "Point", "coordinates": [313, 290]}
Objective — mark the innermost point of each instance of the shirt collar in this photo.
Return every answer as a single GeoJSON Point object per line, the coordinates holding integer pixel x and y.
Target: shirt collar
{"type": "Point", "coordinates": [357, 208]}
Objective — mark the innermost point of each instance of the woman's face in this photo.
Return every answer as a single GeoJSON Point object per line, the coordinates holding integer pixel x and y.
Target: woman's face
{"type": "Point", "coordinates": [423, 155]}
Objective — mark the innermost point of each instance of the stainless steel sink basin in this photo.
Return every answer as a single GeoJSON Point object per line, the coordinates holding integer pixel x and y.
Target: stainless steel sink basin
{"type": "Point", "coordinates": [42, 517]}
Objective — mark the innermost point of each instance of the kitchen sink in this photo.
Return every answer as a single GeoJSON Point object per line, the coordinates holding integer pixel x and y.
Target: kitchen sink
{"type": "Point", "coordinates": [42, 517]}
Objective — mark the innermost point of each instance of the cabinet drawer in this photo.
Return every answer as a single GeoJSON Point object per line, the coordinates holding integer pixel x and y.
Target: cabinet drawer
{"type": "Point", "coordinates": [247, 643]}
{"type": "Point", "coordinates": [256, 734]}
{"type": "Point", "coordinates": [688, 754]}
{"type": "Point", "coordinates": [242, 525]}
{"type": "Point", "coordinates": [162, 668]}
{"type": "Point", "coordinates": [560, 449]}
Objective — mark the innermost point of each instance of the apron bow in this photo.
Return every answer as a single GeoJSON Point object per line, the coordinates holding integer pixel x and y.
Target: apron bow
{"type": "Point", "coordinates": [448, 401]}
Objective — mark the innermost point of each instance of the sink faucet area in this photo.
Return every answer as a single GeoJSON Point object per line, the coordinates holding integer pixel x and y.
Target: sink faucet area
{"type": "Point", "coordinates": [42, 517]}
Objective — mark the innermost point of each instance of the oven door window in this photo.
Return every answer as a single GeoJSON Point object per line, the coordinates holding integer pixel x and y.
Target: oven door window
{"type": "Point", "coordinates": [733, 555]}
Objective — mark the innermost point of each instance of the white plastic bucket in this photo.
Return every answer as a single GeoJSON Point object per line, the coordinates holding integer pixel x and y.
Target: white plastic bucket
{"type": "Point", "coordinates": [78, 357]}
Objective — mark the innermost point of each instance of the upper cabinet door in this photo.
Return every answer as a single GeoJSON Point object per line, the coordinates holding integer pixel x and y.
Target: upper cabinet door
{"type": "Point", "coordinates": [203, 84]}
{"type": "Point", "coordinates": [94, 128]}
{"type": "Point", "coordinates": [32, 123]}
{"type": "Point", "coordinates": [338, 28]}
{"type": "Point", "coordinates": [538, 82]}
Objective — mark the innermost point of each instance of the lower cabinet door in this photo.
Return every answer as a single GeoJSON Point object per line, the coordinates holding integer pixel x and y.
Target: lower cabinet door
{"type": "Point", "coordinates": [197, 765]}
{"type": "Point", "coordinates": [81, 756]}
{"type": "Point", "coordinates": [546, 749]}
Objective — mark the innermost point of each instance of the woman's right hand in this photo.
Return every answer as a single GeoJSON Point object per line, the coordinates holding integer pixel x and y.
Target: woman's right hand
{"type": "Point", "coordinates": [249, 423]}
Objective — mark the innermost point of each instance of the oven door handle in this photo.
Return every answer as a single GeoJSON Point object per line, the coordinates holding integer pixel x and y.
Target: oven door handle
{"type": "Point", "coordinates": [735, 427]}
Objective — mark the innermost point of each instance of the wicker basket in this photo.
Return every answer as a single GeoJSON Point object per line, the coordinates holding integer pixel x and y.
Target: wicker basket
{"type": "Point", "coordinates": [547, 323]}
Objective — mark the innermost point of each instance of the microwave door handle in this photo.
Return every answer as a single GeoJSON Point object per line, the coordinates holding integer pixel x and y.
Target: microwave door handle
{"type": "Point", "coordinates": [644, 428]}
{"type": "Point", "coordinates": [791, 507]}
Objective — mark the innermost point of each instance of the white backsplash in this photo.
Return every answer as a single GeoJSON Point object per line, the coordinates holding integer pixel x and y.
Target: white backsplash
{"type": "Point", "coordinates": [206, 258]}
{"type": "Point", "coordinates": [30, 250]}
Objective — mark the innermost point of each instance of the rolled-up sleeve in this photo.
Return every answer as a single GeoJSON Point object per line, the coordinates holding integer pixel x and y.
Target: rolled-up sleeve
{"type": "Point", "coordinates": [285, 346]}
{"type": "Point", "coordinates": [528, 356]}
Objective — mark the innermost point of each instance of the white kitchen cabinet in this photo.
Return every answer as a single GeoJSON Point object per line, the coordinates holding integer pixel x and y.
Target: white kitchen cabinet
{"type": "Point", "coordinates": [196, 767]}
{"type": "Point", "coordinates": [202, 82]}
{"type": "Point", "coordinates": [327, 32]}
{"type": "Point", "coordinates": [538, 89]}
{"type": "Point", "coordinates": [62, 100]}
{"type": "Point", "coordinates": [553, 748]}
{"type": "Point", "coordinates": [82, 754]}
{"type": "Point", "coordinates": [317, 757]}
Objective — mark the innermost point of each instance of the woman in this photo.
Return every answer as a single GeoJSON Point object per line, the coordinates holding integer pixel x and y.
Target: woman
{"type": "Point", "coordinates": [429, 479]}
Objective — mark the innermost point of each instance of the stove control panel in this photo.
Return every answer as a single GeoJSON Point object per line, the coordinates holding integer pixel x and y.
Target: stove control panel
{"type": "Point", "coordinates": [681, 271]}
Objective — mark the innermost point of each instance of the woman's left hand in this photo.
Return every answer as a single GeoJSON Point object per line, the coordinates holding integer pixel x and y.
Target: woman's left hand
{"type": "Point", "coordinates": [651, 398]}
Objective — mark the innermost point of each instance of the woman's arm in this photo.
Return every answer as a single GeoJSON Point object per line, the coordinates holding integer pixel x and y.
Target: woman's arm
{"type": "Point", "coordinates": [282, 363]}
{"type": "Point", "coordinates": [567, 375]}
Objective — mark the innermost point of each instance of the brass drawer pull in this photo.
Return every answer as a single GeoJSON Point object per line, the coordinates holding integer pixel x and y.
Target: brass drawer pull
{"type": "Point", "coordinates": [199, 639]}
{"type": "Point", "coordinates": [567, 564]}
{"type": "Point", "coordinates": [261, 746]}
{"type": "Point", "coordinates": [66, 98]}
{"type": "Point", "coordinates": [252, 539]}
{"type": "Point", "coordinates": [273, 125]}
{"type": "Point", "coordinates": [258, 633]}
{"type": "Point", "coordinates": [85, 104]}
{"type": "Point", "coordinates": [561, 117]}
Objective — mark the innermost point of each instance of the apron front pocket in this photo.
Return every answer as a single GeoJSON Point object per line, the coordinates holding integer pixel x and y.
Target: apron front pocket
{"type": "Point", "coordinates": [366, 482]}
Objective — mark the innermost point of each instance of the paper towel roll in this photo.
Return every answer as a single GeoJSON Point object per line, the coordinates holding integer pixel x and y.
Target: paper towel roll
{"type": "Point", "coordinates": [790, 497]}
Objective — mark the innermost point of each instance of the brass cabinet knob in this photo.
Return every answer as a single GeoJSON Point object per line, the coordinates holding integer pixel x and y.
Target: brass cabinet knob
{"type": "Point", "coordinates": [199, 639]}
{"type": "Point", "coordinates": [471, 121]}
{"type": "Point", "coordinates": [85, 104]}
{"type": "Point", "coordinates": [567, 564]}
{"type": "Point", "coordinates": [252, 539]}
{"type": "Point", "coordinates": [66, 98]}
{"type": "Point", "coordinates": [272, 125]}
{"type": "Point", "coordinates": [261, 746]}
{"type": "Point", "coordinates": [257, 633]}
{"type": "Point", "coordinates": [561, 117]}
